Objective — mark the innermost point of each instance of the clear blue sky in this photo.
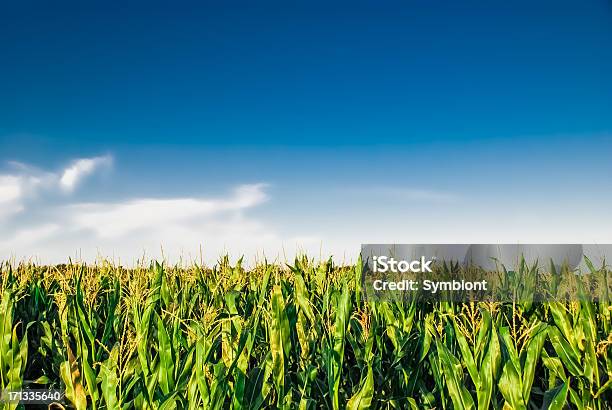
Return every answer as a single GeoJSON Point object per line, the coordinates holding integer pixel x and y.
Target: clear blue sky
{"type": "Point", "coordinates": [507, 102]}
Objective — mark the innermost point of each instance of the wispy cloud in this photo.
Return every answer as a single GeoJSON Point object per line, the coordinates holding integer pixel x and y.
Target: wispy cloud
{"type": "Point", "coordinates": [109, 220]}
{"type": "Point", "coordinates": [80, 169]}
{"type": "Point", "coordinates": [41, 219]}
{"type": "Point", "coordinates": [11, 191]}
{"type": "Point", "coordinates": [23, 183]}
{"type": "Point", "coordinates": [57, 229]}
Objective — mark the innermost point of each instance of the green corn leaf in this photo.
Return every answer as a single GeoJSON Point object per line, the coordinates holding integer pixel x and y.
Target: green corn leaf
{"type": "Point", "coordinates": [166, 355]}
{"type": "Point", "coordinates": [554, 365]}
{"type": "Point", "coordinates": [576, 399]}
{"type": "Point", "coordinates": [587, 322]}
{"type": "Point", "coordinates": [510, 386]}
{"type": "Point", "coordinates": [334, 351]}
{"type": "Point", "coordinates": [509, 347]}
{"type": "Point", "coordinates": [534, 349]}
{"type": "Point", "coordinates": [74, 390]}
{"type": "Point", "coordinates": [363, 398]}
{"type": "Point", "coordinates": [559, 399]}
{"type": "Point", "coordinates": [110, 380]}
{"type": "Point", "coordinates": [467, 356]}
{"type": "Point", "coordinates": [280, 343]}
{"type": "Point", "coordinates": [484, 333]}
{"type": "Point", "coordinates": [452, 370]}
{"type": "Point", "coordinates": [607, 385]}
{"type": "Point", "coordinates": [301, 295]}
{"type": "Point", "coordinates": [564, 350]}
{"type": "Point", "coordinates": [563, 322]}
{"type": "Point", "coordinates": [488, 371]}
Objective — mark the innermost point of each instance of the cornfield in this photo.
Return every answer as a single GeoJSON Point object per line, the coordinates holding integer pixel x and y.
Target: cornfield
{"type": "Point", "coordinates": [296, 337]}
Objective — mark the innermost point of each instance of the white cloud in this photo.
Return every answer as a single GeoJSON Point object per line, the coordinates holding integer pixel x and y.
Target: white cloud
{"type": "Point", "coordinates": [108, 220]}
{"type": "Point", "coordinates": [171, 228]}
{"type": "Point", "coordinates": [36, 222]}
{"type": "Point", "coordinates": [10, 194]}
{"type": "Point", "coordinates": [24, 183]}
{"type": "Point", "coordinates": [15, 189]}
{"type": "Point", "coordinates": [80, 169]}
{"type": "Point", "coordinates": [10, 188]}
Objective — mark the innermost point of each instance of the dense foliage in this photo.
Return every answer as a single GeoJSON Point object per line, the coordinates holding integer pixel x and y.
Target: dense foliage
{"type": "Point", "coordinates": [303, 337]}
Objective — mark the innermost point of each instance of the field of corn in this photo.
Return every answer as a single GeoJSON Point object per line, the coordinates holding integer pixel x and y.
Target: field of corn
{"type": "Point", "coordinates": [298, 337]}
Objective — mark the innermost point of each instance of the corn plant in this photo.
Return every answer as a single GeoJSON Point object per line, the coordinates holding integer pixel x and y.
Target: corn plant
{"type": "Point", "coordinates": [294, 337]}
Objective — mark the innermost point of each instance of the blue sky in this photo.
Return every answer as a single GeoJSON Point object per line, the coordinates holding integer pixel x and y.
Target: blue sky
{"type": "Point", "coordinates": [281, 126]}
